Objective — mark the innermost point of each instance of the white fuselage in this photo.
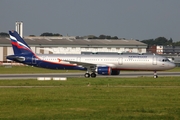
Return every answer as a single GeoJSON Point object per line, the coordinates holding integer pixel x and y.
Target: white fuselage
{"type": "Point", "coordinates": [121, 62]}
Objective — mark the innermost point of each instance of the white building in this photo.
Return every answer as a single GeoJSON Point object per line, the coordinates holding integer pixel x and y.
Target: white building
{"type": "Point", "coordinates": [159, 49]}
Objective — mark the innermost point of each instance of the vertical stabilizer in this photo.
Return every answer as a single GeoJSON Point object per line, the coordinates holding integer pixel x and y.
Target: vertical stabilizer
{"type": "Point", "coordinates": [18, 44]}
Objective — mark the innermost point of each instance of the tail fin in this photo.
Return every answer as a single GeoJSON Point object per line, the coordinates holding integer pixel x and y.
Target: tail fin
{"type": "Point", "coordinates": [18, 44]}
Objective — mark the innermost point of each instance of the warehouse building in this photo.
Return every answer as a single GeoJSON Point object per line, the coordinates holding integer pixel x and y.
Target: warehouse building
{"type": "Point", "coordinates": [70, 45]}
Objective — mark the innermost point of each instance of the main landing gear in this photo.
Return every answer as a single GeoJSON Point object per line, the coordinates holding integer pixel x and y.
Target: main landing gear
{"type": "Point", "coordinates": [92, 70]}
{"type": "Point", "coordinates": [87, 75]}
{"type": "Point", "coordinates": [155, 74]}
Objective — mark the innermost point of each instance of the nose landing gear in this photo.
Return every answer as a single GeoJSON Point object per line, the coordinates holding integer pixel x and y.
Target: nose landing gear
{"type": "Point", "coordinates": [155, 74]}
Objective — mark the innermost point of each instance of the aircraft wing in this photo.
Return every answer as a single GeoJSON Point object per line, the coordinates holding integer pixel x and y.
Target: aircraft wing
{"type": "Point", "coordinates": [89, 65]}
{"type": "Point", "coordinates": [81, 63]}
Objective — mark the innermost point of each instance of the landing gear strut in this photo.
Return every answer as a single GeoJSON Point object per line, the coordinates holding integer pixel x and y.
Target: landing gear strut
{"type": "Point", "coordinates": [155, 74]}
{"type": "Point", "coordinates": [92, 70]}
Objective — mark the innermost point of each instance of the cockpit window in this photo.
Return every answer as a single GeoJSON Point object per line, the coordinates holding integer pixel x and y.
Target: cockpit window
{"type": "Point", "coordinates": [165, 60]}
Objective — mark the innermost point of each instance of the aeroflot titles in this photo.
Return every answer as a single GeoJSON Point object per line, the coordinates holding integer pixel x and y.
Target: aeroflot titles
{"type": "Point", "coordinates": [138, 56]}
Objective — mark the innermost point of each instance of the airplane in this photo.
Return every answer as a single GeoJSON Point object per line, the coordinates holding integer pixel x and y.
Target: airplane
{"type": "Point", "coordinates": [93, 64]}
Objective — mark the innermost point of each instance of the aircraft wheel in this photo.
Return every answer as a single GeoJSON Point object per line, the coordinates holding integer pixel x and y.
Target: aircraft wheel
{"type": "Point", "coordinates": [86, 75]}
{"type": "Point", "coordinates": [155, 76]}
{"type": "Point", "coordinates": [93, 75]}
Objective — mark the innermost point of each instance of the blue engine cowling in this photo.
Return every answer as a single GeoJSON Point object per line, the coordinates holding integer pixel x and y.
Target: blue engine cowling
{"type": "Point", "coordinates": [104, 70]}
{"type": "Point", "coordinates": [107, 71]}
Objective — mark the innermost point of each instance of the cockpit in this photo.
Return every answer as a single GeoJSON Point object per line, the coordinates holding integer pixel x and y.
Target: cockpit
{"type": "Point", "coordinates": [165, 60]}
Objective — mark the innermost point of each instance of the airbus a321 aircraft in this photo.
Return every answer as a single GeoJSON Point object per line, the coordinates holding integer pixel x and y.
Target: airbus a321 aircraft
{"type": "Point", "coordinates": [93, 63]}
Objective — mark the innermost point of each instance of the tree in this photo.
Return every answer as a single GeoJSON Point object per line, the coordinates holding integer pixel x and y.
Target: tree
{"type": "Point", "coordinates": [150, 42]}
{"type": "Point", "coordinates": [3, 34]}
{"type": "Point", "coordinates": [170, 42]}
{"type": "Point", "coordinates": [108, 37]}
{"type": "Point", "coordinates": [161, 41]}
{"type": "Point", "coordinates": [158, 41]}
{"type": "Point", "coordinates": [102, 37]}
{"type": "Point", "coordinates": [92, 37]}
{"type": "Point", "coordinates": [57, 34]}
{"type": "Point", "coordinates": [46, 34]}
{"type": "Point", "coordinates": [50, 34]}
{"type": "Point", "coordinates": [176, 43]}
{"type": "Point", "coordinates": [31, 35]}
{"type": "Point", "coordinates": [115, 37]}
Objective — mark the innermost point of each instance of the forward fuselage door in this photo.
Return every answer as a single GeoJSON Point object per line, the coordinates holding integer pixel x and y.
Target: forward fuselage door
{"type": "Point", "coordinates": [120, 61]}
{"type": "Point", "coordinates": [154, 60]}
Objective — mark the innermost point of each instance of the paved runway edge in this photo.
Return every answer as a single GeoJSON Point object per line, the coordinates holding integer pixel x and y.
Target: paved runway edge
{"type": "Point", "coordinates": [122, 75]}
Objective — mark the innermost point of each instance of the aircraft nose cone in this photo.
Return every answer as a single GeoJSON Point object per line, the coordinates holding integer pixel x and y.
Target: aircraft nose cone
{"type": "Point", "coordinates": [172, 65]}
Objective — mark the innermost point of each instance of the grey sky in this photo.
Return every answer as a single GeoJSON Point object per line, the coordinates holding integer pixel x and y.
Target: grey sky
{"type": "Point", "coordinates": [137, 19]}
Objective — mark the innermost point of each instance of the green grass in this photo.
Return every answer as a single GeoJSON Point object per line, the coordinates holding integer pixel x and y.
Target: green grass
{"type": "Point", "coordinates": [176, 69]}
{"type": "Point", "coordinates": [29, 69]}
{"type": "Point", "coordinates": [98, 98]}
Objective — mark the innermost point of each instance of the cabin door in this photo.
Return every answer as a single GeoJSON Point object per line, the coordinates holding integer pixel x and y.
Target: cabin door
{"type": "Point", "coordinates": [154, 60]}
{"type": "Point", "coordinates": [33, 59]}
{"type": "Point", "coordinates": [78, 59]}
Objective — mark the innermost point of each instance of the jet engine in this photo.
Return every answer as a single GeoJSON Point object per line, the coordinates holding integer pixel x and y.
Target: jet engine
{"type": "Point", "coordinates": [107, 71]}
{"type": "Point", "coordinates": [115, 72]}
{"type": "Point", "coordinates": [104, 70]}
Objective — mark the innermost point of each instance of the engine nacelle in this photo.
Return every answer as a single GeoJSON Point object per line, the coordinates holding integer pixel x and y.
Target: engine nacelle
{"type": "Point", "coordinates": [107, 71]}
{"type": "Point", "coordinates": [104, 70]}
{"type": "Point", "coordinates": [115, 72]}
